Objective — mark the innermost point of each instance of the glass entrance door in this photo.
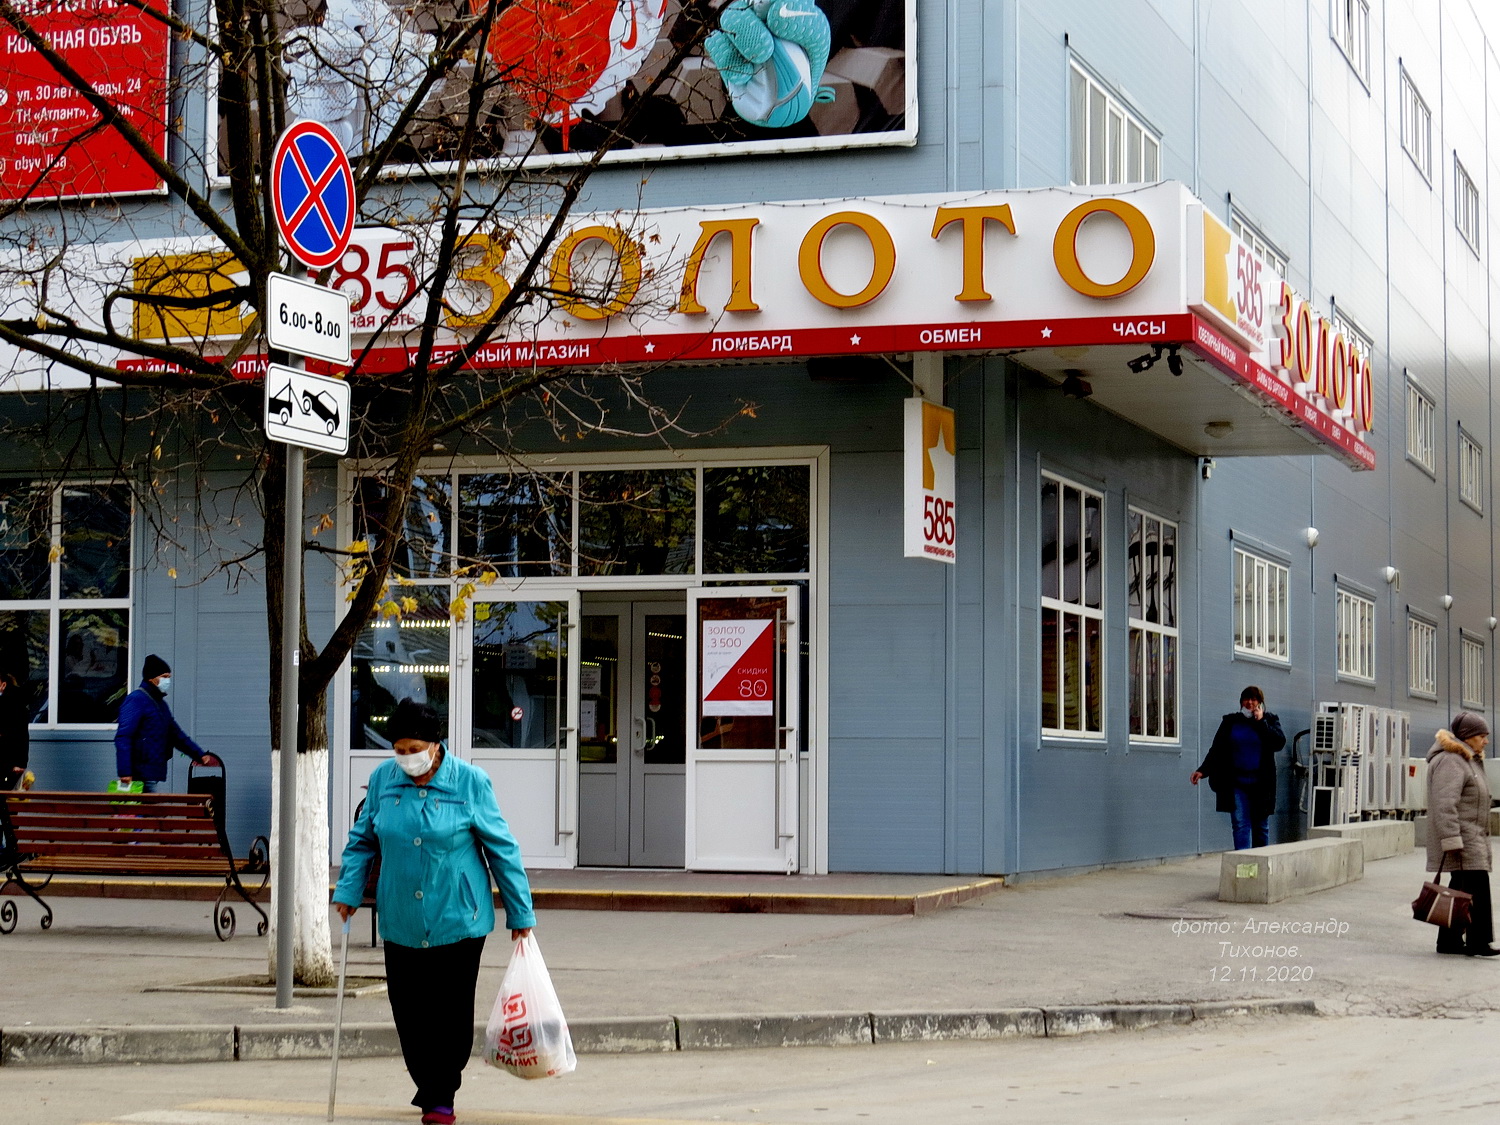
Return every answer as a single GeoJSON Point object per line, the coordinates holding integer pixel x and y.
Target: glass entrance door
{"type": "Point", "coordinates": [743, 725]}
{"type": "Point", "coordinates": [522, 718]}
{"type": "Point", "coordinates": [632, 749]}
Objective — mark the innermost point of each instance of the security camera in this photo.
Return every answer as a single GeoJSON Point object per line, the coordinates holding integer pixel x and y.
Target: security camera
{"type": "Point", "coordinates": [1142, 363]}
{"type": "Point", "coordinates": [1206, 467]}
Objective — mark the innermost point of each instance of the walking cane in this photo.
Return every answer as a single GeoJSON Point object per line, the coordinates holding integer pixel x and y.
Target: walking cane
{"type": "Point", "coordinates": [338, 1019]}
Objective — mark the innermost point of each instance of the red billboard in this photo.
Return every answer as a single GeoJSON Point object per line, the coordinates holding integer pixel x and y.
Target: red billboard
{"type": "Point", "coordinates": [53, 144]}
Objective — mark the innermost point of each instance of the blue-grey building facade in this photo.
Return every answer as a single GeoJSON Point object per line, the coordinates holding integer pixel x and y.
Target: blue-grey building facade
{"type": "Point", "coordinates": [1353, 145]}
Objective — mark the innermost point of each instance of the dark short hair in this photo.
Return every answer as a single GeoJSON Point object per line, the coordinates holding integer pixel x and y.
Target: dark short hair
{"type": "Point", "coordinates": [414, 720]}
{"type": "Point", "coordinates": [1253, 692]}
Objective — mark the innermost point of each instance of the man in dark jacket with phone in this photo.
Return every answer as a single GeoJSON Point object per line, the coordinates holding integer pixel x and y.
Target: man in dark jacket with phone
{"type": "Point", "coordinates": [1241, 768]}
{"type": "Point", "coordinates": [147, 733]}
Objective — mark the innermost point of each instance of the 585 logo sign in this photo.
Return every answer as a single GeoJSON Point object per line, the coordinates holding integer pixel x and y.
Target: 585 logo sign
{"type": "Point", "coordinates": [931, 531]}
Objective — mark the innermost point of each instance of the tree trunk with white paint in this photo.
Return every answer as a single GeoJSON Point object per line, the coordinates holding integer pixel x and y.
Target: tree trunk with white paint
{"type": "Point", "coordinates": [312, 944]}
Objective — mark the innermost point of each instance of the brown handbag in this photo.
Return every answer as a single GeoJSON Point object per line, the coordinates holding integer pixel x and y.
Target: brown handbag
{"type": "Point", "coordinates": [1440, 905]}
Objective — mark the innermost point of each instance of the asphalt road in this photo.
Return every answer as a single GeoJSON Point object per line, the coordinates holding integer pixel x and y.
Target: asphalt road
{"type": "Point", "coordinates": [1350, 1070]}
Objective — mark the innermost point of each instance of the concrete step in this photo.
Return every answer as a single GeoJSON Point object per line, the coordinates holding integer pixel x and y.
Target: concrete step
{"type": "Point", "coordinates": [1279, 871]}
{"type": "Point", "coordinates": [1382, 839]}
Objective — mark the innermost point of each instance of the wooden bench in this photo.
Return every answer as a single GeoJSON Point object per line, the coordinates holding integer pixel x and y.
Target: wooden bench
{"type": "Point", "coordinates": [142, 834]}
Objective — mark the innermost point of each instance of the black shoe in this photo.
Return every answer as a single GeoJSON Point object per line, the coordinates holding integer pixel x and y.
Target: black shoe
{"type": "Point", "coordinates": [1459, 951]}
{"type": "Point", "coordinates": [1487, 951]}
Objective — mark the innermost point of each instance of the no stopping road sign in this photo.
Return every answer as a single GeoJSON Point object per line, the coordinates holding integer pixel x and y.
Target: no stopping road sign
{"type": "Point", "coordinates": [312, 191]}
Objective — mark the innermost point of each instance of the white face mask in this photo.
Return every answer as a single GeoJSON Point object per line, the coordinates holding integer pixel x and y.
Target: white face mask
{"type": "Point", "coordinates": [1247, 712]}
{"type": "Point", "coordinates": [416, 764]}
{"type": "Point", "coordinates": [164, 684]}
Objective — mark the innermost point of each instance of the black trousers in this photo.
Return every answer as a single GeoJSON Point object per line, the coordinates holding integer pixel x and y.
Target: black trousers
{"type": "Point", "coordinates": [1477, 935]}
{"type": "Point", "coordinates": [432, 999]}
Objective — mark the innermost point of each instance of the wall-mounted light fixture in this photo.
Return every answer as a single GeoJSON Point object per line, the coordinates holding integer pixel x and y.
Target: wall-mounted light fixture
{"type": "Point", "coordinates": [1221, 428]}
{"type": "Point", "coordinates": [1447, 601]}
{"type": "Point", "coordinates": [1174, 360]}
{"type": "Point", "coordinates": [1311, 535]}
{"type": "Point", "coordinates": [1391, 575]}
{"type": "Point", "coordinates": [1493, 622]}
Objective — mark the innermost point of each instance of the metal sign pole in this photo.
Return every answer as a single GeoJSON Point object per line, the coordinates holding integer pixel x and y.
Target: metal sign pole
{"type": "Point", "coordinates": [291, 715]}
{"type": "Point", "coordinates": [291, 722]}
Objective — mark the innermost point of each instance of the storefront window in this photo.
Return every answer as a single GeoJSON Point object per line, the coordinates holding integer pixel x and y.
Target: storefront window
{"type": "Point", "coordinates": [92, 678]}
{"type": "Point", "coordinates": [1072, 621]}
{"type": "Point", "coordinates": [520, 674]}
{"type": "Point", "coordinates": [396, 659]}
{"type": "Point", "coordinates": [517, 523]}
{"type": "Point", "coordinates": [426, 529]}
{"type": "Point", "coordinates": [65, 577]}
{"type": "Point", "coordinates": [95, 559]}
{"type": "Point", "coordinates": [756, 519]}
{"type": "Point", "coordinates": [25, 516]}
{"type": "Point", "coordinates": [636, 522]}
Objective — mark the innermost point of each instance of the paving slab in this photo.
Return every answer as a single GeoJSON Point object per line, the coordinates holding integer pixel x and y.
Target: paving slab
{"type": "Point", "coordinates": [1151, 935]}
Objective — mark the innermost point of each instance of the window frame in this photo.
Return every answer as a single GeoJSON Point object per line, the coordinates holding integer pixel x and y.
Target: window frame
{"type": "Point", "coordinates": [1354, 635]}
{"type": "Point", "coordinates": [1466, 209]}
{"type": "Point", "coordinates": [1262, 565]}
{"type": "Point", "coordinates": [1251, 236]}
{"type": "Point", "coordinates": [1158, 629]}
{"type": "Point", "coordinates": [1118, 118]}
{"type": "Point", "coordinates": [1421, 630]}
{"type": "Point", "coordinates": [1416, 127]}
{"type": "Point", "coordinates": [1349, 28]}
{"type": "Point", "coordinates": [1472, 653]}
{"type": "Point", "coordinates": [55, 604]}
{"type": "Point", "coordinates": [1470, 471]}
{"type": "Point", "coordinates": [1080, 609]}
{"type": "Point", "coordinates": [1425, 434]}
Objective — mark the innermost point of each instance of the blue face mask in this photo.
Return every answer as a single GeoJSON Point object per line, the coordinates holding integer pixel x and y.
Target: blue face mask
{"type": "Point", "coordinates": [164, 684]}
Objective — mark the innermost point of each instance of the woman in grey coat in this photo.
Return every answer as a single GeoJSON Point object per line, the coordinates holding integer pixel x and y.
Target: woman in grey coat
{"type": "Point", "coordinates": [1458, 828]}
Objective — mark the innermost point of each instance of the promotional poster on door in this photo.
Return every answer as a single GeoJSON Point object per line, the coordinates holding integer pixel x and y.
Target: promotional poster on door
{"type": "Point", "coordinates": [737, 674]}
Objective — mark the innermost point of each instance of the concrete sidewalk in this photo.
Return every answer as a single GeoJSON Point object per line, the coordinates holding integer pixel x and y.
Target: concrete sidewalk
{"type": "Point", "coordinates": [1152, 938]}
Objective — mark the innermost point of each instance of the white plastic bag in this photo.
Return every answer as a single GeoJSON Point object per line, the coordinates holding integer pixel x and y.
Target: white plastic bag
{"type": "Point", "coordinates": [527, 1034]}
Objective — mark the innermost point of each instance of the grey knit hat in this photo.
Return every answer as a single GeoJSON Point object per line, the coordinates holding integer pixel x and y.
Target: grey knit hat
{"type": "Point", "coordinates": [1466, 725]}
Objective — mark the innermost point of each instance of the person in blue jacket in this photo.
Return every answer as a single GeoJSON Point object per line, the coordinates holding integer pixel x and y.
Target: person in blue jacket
{"type": "Point", "coordinates": [147, 733]}
{"type": "Point", "coordinates": [433, 823]}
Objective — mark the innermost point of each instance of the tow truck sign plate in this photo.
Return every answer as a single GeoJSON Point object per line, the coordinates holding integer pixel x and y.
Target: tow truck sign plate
{"type": "Point", "coordinates": [307, 319]}
{"type": "Point", "coordinates": [307, 410]}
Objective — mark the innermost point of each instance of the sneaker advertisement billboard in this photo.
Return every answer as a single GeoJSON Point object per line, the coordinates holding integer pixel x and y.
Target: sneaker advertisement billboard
{"type": "Point", "coordinates": [563, 80]}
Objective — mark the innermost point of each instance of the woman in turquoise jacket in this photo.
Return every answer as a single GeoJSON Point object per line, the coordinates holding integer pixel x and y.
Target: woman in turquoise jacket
{"type": "Point", "coordinates": [432, 821]}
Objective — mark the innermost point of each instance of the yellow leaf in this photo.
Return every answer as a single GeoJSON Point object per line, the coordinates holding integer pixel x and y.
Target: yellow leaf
{"type": "Point", "coordinates": [409, 605]}
{"type": "Point", "coordinates": [489, 577]}
{"type": "Point", "coordinates": [54, 554]}
{"type": "Point", "coordinates": [359, 547]}
{"type": "Point", "coordinates": [390, 609]}
{"type": "Point", "coordinates": [171, 572]}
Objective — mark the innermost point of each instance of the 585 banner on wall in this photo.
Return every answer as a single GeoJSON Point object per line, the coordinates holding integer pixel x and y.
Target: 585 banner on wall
{"type": "Point", "coordinates": [52, 144]}
{"type": "Point", "coordinates": [931, 450]}
{"type": "Point", "coordinates": [774, 75]}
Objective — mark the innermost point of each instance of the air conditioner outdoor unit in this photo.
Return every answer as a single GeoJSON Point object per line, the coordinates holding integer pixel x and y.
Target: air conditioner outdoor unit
{"type": "Point", "coordinates": [1416, 785]}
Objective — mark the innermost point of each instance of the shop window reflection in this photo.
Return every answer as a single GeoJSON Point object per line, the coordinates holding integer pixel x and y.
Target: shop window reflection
{"type": "Point", "coordinates": [396, 659]}
{"type": "Point", "coordinates": [636, 522]}
{"type": "Point", "coordinates": [756, 519]}
{"type": "Point", "coordinates": [95, 560]}
{"type": "Point", "coordinates": [25, 517]}
{"type": "Point", "coordinates": [520, 668]}
{"type": "Point", "coordinates": [520, 525]}
{"type": "Point", "coordinates": [92, 676]}
{"type": "Point", "coordinates": [426, 532]}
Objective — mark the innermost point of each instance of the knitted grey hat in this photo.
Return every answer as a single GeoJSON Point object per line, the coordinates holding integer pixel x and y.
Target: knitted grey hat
{"type": "Point", "coordinates": [1466, 725]}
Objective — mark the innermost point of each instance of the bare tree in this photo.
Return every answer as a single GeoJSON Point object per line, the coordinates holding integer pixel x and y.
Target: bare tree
{"type": "Point", "coordinates": [462, 99]}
